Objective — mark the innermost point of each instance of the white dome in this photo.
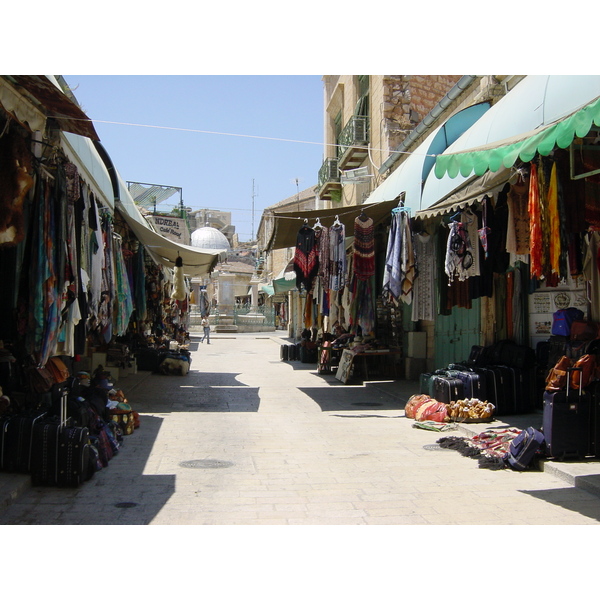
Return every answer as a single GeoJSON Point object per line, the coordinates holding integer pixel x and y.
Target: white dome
{"type": "Point", "coordinates": [210, 239]}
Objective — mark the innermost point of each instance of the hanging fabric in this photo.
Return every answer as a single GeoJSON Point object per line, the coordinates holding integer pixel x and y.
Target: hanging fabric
{"type": "Point", "coordinates": [392, 276]}
{"type": "Point", "coordinates": [423, 304]}
{"type": "Point", "coordinates": [337, 256]}
{"type": "Point", "coordinates": [364, 247]}
{"type": "Point", "coordinates": [407, 265]}
{"type": "Point", "coordinates": [306, 259]}
{"type": "Point", "coordinates": [459, 252]}
{"type": "Point", "coordinates": [535, 226]}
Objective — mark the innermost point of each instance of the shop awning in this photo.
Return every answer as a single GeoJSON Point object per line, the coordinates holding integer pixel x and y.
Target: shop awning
{"type": "Point", "coordinates": [413, 171]}
{"type": "Point", "coordinates": [541, 113]}
{"type": "Point", "coordinates": [82, 152]}
{"type": "Point", "coordinates": [287, 224]}
{"type": "Point", "coordinates": [471, 191]}
{"type": "Point", "coordinates": [53, 102]}
{"type": "Point", "coordinates": [196, 263]}
{"type": "Point", "coordinates": [267, 289]}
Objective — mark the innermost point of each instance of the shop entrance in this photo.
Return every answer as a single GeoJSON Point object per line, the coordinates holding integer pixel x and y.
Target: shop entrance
{"type": "Point", "coordinates": [456, 333]}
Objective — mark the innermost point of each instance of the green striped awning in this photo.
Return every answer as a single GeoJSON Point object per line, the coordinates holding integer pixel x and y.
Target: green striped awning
{"type": "Point", "coordinates": [505, 153]}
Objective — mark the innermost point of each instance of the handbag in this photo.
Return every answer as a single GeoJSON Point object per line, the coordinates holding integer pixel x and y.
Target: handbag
{"type": "Point", "coordinates": [58, 369]}
{"type": "Point", "coordinates": [584, 371]}
{"type": "Point", "coordinates": [556, 379]}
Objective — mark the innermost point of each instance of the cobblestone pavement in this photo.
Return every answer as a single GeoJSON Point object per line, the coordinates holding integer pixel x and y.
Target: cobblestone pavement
{"type": "Point", "coordinates": [246, 439]}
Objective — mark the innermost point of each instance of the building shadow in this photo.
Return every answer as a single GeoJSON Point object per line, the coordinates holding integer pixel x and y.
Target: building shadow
{"type": "Point", "coordinates": [198, 391]}
{"type": "Point", "coordinates": [570, 498]}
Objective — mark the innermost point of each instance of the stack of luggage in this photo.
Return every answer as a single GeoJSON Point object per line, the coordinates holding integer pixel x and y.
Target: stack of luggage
{"type": "Point", "coordinates": [503, 374]}
{"type": "Point", "coordinates": [64, 431]}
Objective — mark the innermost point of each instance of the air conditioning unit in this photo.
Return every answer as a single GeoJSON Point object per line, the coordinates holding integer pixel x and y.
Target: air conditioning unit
{"type": "Point", "coordinates": [360, 130]}
{"type": "Point", "coordinates": [359, 175]}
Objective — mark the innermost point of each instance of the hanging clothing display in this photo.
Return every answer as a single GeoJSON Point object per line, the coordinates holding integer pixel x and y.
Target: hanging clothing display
{"type": "Point", "coordinates": [423, 304]}
{"type": "Point", "coordinates": [517, 235]}
{"type": "Point", "coordinates": [364, 247]}
{"type": "Point", "coordinates": [459, 252]}
{"type": "Point", "coordinates": [392, 276]}
{"type": "Point", "coordinates": [306, 259]}
{"type": "Point", "coordinates": [337, 257]}
{"type": "Point", "coordinates": [535, 226]}
{"type": "Point", "coordinates": [407, 267]}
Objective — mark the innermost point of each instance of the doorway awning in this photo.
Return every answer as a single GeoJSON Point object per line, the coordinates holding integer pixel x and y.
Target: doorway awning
{"type": "Point", "coordinates": [287, 224]}
{"type": "Point", "coordinates": [540, 113]}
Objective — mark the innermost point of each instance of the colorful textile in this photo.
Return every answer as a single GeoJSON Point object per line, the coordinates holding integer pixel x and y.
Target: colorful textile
{"type": "Point", "coordinates": [306, 258]}
{"type": "Point", "coordinates": [337, 257]}
{"type": "Point", "coordinates": [364, 248]}
{"type": "Point", "coordinates": [554, 221]}
{"type": "Point", "coordinates": [392, 269]}
{"type": "Point", "coordinates": [535, 226]}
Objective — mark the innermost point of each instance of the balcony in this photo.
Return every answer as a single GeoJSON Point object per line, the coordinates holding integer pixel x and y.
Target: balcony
{"type": "Point", "coordinates": [353, 143]}
{"type": "Point", "coordinates": [329, 180]}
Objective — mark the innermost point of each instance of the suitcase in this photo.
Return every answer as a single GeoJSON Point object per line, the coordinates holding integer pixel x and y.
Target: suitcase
{"type": "Point", "coordinates": [506, 391]}
{"type": "Point", "coordinates": [566, 422]}
{"type": "Point", "coordinates": [16, 443]}
{"type": "Point", "coordinates": [284, 352]}
{"type": "Point", "coordinates": [426, 384]}
{"type": "Point", "coordinates": [447, 389]}
{"type": "Point", "coordinates": [73, 456]}
{"type": "Point", "coordinates": [594, 429]}
{"type": "Point", "coordinates": [474, 383]}
{"type": "Point", "coordinates": [58, 452]}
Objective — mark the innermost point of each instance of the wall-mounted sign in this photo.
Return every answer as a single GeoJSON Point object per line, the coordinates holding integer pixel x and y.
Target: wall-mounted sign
{"type": "Point", "coordinates": [173, 228]}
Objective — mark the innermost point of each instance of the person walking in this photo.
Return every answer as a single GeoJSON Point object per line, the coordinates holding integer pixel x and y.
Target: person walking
{"type": "Point", "coordinates": [206, 327]}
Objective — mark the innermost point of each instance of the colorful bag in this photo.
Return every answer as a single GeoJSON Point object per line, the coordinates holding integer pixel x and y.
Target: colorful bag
{"type": "Point", "coordinates": [432, 411]}
{"type": "Point", "coordinates": [414, 402]}
{"type": "Point", "coordinates": [563, 319]}
{"type": "Point", "coordinates": [584, 371]}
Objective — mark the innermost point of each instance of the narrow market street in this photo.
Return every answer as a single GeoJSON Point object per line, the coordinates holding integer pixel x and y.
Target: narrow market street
{"type": "Point", "coordinates": [246, 438]}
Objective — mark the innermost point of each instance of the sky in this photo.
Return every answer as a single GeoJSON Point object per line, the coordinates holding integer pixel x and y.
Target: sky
{"type": "Point", "coordinates": [231, 142]}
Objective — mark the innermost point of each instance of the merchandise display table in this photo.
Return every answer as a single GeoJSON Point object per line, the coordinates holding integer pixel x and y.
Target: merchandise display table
{"type": "Point", "coordinates": [363, 361]}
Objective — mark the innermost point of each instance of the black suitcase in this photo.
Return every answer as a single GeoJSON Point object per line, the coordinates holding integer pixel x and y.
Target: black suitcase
{"type": "Point", "coordinates": [73, 456]}
{"type": "Point", "coordinates": [566, 423]}
{"type": "Point", "coordinates": [59, 452]}
{"type": "Point", "coordinates": [594, 429]}
{"type": "Point", "coordinates": [506, 391]}
{"type": "Point", "coordinates": [16, 443]}
{"type": "Point", "coordinates": [447, 389]}
{"type": "Point", "coordinates": [474, 383]}
{"type": "Point", "coordinates": [44, 452]}
{"type": "Point", "coordinates": [284, 352]}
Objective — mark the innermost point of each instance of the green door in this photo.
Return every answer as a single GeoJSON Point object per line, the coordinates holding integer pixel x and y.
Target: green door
{"type": "Point", "coordinates": [456, 333]}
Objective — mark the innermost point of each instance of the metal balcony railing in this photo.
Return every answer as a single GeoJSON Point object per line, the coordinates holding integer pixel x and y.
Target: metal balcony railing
{"type": "Point", "coordinates": [355, 133]}
{"type": "Point", "coordinates": [328, 172]}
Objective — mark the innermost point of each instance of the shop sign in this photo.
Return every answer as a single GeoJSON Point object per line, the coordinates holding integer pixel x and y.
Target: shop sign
{"type": "Point", "coordinates": [172, 228]}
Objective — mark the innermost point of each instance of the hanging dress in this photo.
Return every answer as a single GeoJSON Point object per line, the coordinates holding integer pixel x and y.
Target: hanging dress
{"type": "Point", "coordinates": [391, 288]}
{"type": "Point", "coordinates": [306, 259]}
{"type": "Point", "coordinates": [337, 257]}
{"type": "Point", "coordinates": [423, 304]}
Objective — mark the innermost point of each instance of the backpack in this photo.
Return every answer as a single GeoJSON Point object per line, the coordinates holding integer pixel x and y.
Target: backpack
{"type": "Point", "coordinates": [523, 448]}
{"type": "Point", "coordinates": [563, 319]}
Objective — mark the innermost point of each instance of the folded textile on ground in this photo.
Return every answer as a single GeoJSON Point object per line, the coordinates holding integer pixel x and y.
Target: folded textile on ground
{"type": "Point", "coordinates": [489, 447]}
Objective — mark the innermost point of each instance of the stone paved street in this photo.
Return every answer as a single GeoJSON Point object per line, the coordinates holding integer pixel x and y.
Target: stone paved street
{"type": "Point", "coordinates": [248, 439]}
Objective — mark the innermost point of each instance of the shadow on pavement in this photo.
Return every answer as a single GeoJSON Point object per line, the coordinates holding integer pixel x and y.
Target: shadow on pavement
{"type": "Point", "coordinates": [571, 498]}
{"type": "Point", "coordinates": [196, 392]}
{"type": "Point", "coordinates": [119, 494]}
{"type": "Point", "coordinates": [346, 398]}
